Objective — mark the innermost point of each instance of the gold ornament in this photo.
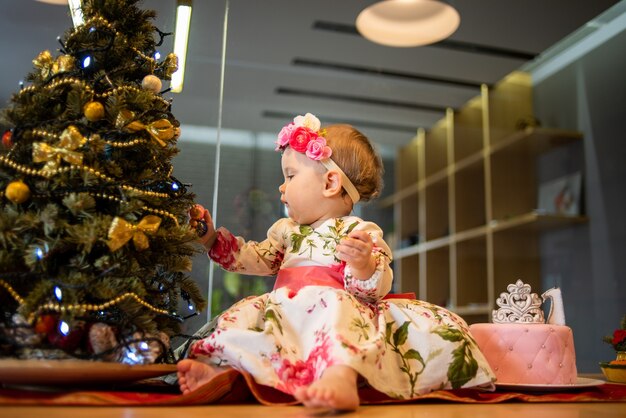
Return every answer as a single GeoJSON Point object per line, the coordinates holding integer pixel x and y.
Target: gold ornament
{"type": "Point", "coordinates": [121, 231]}
{"type": "Point", "coordinates": [124, 118]}
{"type": "Point", "coordinates": [170, 65]}
{"type": "Point", "coordinates": [43, 63]}
{"type": "Point", "coordinates": [151, 83]}
{"type": "Point", "coordinates": [94, 111]}
{"type": "Point", "coordinates": [160, 130]}
{"type": "Point", "coordinates": [17, 192]}
{"type": "Point", "coordinates": [70, 139]}
{"type": "Point", "coordinates": [64, 64]}
{"type": "Point", "coordinates": [48, 66]}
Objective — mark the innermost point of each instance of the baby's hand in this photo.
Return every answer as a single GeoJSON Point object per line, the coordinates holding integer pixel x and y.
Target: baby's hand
{"type": "Point", "coordinates": [356, 251]}
{"type": "Point", "coordinates": [200, 219]}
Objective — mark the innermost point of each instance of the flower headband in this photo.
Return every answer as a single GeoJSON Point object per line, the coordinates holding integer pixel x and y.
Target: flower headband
{"type": "Point", "coordinates": [304, 135]}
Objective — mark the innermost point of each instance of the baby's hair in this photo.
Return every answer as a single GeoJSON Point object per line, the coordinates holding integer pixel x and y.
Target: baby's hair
{"type": "Point", "coordinates": [353, 152]}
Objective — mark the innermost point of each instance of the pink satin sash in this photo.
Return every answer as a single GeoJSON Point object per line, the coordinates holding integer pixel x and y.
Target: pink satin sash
{"type": "Point", "coordinates": [295, 278]}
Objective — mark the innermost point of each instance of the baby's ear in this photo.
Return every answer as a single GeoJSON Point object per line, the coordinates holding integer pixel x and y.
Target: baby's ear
{"type": "Point", "coordinates": [332, 183]}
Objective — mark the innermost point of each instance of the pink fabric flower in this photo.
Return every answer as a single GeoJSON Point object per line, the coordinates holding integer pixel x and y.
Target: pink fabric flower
{"type": "Point", "coordinates": [317, 149]}
{"type": "Point", "coordinates": [300, 138]}
{"type": "Point", "coordinates": [222, 252]}
{"type": "Point", "coordinates": [284, 136]}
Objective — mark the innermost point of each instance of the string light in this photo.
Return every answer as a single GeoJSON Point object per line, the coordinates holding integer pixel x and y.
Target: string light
{"type": "Point", "coordinates": [58, 293]}
{"type": "Point", "coordinates": [64, 328]}
{"type": "Point", "coordinates": [87, 61]}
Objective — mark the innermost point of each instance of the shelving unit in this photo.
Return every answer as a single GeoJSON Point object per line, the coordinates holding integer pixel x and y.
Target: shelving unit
{"type": "Point", "coordinates": [465, 208]}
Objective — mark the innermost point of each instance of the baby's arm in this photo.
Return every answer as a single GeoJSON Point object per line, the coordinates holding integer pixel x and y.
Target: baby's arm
{"type": "Point", "coordinates": [234, 253]}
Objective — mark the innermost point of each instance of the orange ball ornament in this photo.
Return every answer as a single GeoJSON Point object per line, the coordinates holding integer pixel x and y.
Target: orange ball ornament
{"type": "Point", "coordinates": [17, 192]}
{"type": "Point", "coordinates": [94, 111]}
{"type": "Point", "coordinates": [196, 212]}
{"type": "Point", "coordinates": [46, 324]}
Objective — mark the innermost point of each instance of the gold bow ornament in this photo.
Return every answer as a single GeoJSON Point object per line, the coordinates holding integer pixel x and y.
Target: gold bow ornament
{"type": "Point", "coordinates": [48, 66]}
{"type": "Point", "coordinates": [122, 231]}
{"type": "Point", "coordinates": [160, 130]}
{"type": "Point", "coordinates": [170, 65]}
{"type": "Point", "coordinates": [64, 150]}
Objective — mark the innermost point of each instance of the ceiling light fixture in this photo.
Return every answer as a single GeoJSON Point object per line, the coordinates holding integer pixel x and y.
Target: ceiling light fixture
{"type": "Point", "coordinates": [181, 37]}
{"type": "Point", "coordinates": [406, 23]}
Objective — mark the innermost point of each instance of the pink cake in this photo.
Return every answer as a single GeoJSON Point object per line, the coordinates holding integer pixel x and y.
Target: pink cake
{"type": "Point", "coordinates": [520, 347]}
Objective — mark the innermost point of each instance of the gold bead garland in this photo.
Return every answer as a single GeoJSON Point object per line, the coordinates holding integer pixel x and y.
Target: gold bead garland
{"type": "Point", "coordinates": [130, 88]}
{"type": "Point", "coordinates": [128, 144]}
{"type": "Point", "coordinates": [12, 292]}
{"type": "Point", "coordinates": [118, 200]}
{"type": "Point", "coordinates": [81, 83]}
{"type": "Point", "coordinates": [49, 173]}
{"type": "Point", "coordinates": [85, 307]}
{"type": "Point", "coordinates": [146, 208]}
{"type": "Point", "coordinates": [57, 83]}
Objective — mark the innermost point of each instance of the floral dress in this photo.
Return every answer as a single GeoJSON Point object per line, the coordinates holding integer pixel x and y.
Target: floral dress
{"type": "Point", "coordinates": [318, 315]}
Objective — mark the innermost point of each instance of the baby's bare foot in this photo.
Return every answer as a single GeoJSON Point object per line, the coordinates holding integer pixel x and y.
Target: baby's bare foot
{"type": "Point", "coordinates": [193, 373]}
{"type": "Point", "coordinates": [336, 389]}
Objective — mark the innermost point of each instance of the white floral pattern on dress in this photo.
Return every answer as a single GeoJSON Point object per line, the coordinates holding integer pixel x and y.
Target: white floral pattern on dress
{"type": "Point", "coordinates": [286, 339]}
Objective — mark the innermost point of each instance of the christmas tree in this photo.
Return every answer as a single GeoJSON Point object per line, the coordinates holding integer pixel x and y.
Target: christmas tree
{"type": "Point", "coordinates": [95, 247]}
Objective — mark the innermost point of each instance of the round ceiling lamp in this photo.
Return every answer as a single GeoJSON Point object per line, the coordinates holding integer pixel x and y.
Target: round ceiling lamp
{"type": "Point", "coordinates": [405, 23]}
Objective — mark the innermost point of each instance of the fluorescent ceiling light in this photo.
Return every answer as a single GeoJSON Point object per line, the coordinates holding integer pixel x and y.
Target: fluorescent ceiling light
{"type": "Point", "coordinates": [76, 12]}
{"type": "Point", "coordinates": [406, 23]}
{"type": "Point", "coordinates": [181, 37]}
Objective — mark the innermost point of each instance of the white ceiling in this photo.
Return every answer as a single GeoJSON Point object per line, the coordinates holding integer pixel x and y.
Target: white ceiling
{"type": "Point", "coordinates": [272, 47]}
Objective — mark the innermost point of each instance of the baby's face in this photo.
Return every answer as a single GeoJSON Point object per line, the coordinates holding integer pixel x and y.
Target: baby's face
{"type": "Point", "coordinates": [302, 190]}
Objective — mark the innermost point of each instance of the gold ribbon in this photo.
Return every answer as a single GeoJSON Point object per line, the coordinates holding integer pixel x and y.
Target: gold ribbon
{"type": "Point", "coordinates": [122, 231]}
{"type": "Point", "coordinates": [69, 141]}
{"type": "Point", "coordinates": [48, 66]}
{"type": "Point", "coordinates": [160, 130]}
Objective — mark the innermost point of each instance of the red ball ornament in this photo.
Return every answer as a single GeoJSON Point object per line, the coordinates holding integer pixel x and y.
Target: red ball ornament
{"type": "Point", "coordinates": [67, 339]}
{"type": "Point", "coordinates": [7, 139]}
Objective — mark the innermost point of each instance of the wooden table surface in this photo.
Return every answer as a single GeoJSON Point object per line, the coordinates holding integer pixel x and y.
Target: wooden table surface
{"type": "Point", "coordinates": [423, 410]}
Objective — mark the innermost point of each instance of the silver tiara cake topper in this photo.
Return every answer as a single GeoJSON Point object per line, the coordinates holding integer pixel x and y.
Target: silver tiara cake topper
{"type": "Point", "coordinates": [520, 305]}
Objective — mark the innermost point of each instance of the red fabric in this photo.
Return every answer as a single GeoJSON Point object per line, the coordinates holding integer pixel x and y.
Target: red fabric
{"type": "Point", "coordinates": [233, 387]}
